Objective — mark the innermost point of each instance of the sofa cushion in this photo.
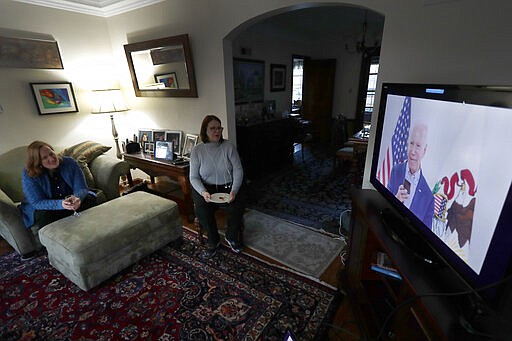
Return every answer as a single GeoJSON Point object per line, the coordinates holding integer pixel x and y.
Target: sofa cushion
{"type": "Point", "coordinates": [84, 153]}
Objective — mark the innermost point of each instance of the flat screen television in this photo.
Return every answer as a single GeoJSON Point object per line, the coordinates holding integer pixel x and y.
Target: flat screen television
{"type": "Point", "coordinates": [443, 160]}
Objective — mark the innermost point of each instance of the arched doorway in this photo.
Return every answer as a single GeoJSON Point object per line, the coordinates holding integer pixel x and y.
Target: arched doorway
{"type": "Point", "coordinates": [316, 30]}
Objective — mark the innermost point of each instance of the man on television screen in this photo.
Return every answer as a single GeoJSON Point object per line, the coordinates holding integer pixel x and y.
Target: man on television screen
{"type": "Point", "coordinates": [407, 181]}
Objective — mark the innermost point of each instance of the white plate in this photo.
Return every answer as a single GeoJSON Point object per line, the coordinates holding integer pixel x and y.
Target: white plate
{"type": "Point", "coordinates": [219, 198]}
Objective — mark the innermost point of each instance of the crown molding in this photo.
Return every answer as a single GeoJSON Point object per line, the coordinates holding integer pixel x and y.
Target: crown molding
{"type": "Point", "coordinates": [100, 8]}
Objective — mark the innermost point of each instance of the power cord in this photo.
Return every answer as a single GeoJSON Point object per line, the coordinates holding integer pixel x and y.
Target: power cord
{"type": "Point", "coordinates": [344, 225]}
{"type": "Point", "coordinates": [344, 220]}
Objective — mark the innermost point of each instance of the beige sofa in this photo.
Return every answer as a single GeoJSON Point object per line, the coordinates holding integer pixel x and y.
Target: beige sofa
{"type": "Point", "coordinates": [105, 170]}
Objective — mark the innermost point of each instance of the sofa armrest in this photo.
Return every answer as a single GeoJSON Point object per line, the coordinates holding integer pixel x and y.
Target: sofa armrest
{"type": "Point", "coordinates": [106, 171]}
{"type": "Point", "coordinates": [12, 228]}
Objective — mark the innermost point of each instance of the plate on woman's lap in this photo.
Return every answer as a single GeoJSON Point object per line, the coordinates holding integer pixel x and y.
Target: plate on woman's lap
{"type": "Point", "coordinates": [219, 198]}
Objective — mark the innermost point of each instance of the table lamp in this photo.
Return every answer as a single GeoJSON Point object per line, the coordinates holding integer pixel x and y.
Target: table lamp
{"type": "Point", "coordinates": [110, 101]}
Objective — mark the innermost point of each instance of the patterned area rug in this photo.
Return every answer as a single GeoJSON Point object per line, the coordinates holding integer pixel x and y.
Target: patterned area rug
{"type": "Point", "coordinates": [173, 294]}
{"type": "Point", "coordinates": [299, 247]}
{"type": "Point", "coordinates": [311, 193]}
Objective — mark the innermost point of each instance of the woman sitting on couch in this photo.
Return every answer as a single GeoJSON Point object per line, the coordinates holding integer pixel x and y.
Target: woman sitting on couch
{"type": "Point", "coordinates": [54, 186]}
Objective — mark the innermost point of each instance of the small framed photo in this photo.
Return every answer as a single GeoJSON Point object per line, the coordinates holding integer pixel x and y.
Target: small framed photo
{"type": "Point", "coordinates": [168, 79]}
{"type": "Point", "coordinates": [145, 135]}
{"type": "Point", "coordinates": [190, 142]}
{"type": "Point", "coordinates": [149, 147]}
{"type": "Point", "coordinates": [277, 77]}
{"type": "Point", "coordinates": [158, 135]}
{"type": "Point", "coordinates": [174, 136]}
{"type": "Point", "coordinates": [54, 98]}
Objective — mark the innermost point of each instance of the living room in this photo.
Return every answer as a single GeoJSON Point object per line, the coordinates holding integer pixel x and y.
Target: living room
{"type": "Point", "coordinates": [426, 41]}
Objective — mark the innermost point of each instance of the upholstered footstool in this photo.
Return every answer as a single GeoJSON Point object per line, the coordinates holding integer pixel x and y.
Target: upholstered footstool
{"type": "Point", "coordinates": [105, 239]}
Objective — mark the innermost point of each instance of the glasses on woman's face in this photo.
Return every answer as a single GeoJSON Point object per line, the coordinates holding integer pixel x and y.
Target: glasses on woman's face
{"type": "Point", "coordinates": [216, 128]}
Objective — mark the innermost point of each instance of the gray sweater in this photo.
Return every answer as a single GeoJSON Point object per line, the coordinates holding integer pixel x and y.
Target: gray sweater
{"type": "Point", "coordinates": [215, 163]}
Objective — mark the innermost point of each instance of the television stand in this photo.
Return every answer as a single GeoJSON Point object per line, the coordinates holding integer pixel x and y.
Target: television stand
{"type": "Point", "coordinates": [386, 307]}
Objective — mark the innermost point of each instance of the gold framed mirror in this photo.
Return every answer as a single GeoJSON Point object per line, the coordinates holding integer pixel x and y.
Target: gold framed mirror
{"type": "Point", "coordinates": [162, 67]}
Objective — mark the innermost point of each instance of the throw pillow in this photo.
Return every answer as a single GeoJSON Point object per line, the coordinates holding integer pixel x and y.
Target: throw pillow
{"type": "Point", "coordinates": [84, 153]}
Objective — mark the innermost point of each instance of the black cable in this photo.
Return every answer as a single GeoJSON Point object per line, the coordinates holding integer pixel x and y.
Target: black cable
{"type": "Point", "coordinates": [443, 294]}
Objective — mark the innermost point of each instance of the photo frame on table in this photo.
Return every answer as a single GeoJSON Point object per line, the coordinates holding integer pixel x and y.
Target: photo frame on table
{"type": "Point", "coordinates": [158, 135]}
{"type": "Point", "coordinates": [277, 77]}
{"type": "Point", "coordinates": [149, 147]}
{"type": "Point", "coordinates": [174, 136]}
{"type": "Point", "coordinates": [190, 143]}
{"type": "Point", "coordinates": [145, 135]}
{"type": "Point", "coordinates": [54, 98]}
{"type": "Point", "coordinates": [170, 80]}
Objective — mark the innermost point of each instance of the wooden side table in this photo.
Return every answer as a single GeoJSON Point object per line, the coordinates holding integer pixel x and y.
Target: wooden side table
{"type": "Point", "coordinates": [153, 168]}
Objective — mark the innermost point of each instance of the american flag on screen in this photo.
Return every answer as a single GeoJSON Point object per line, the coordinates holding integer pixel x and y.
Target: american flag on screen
{"type": "Point", "coordinates": [397, 150]}
{"type": "Point", "coordinates": [440, 203]}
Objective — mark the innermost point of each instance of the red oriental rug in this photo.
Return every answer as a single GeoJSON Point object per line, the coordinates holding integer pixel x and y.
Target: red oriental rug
{"type": "Point", "coordinates": [173, 294]}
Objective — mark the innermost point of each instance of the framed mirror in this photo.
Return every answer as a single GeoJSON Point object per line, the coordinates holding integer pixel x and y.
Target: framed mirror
{"type": "Point", "coordinates": [162, 67]}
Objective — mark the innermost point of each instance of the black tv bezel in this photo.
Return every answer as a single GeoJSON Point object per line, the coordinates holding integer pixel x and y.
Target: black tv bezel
{"type": "Point", "coordinates": [471, 94]}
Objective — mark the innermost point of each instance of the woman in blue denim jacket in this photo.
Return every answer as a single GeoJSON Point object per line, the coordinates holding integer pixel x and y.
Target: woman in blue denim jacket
{"type": "Point", "coordinates": [47, 180]}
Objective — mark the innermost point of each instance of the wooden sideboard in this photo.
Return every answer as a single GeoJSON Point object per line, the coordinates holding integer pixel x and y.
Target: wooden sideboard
{"type": "Point", "coordinates": [265, 146]}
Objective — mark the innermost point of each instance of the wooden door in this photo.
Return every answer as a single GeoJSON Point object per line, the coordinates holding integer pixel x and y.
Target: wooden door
{"type": "Point", "coordinates": [317, 96]}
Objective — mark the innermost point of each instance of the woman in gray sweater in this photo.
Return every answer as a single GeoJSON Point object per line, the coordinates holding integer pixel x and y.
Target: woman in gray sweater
{"type": "Point", "coordinates": [216, 176]}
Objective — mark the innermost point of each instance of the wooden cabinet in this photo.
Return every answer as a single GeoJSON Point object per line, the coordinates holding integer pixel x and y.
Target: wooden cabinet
{"type": "Point", "coordinates": [388, 308]}
{"type": "Point", "coordinates": [265, 146]}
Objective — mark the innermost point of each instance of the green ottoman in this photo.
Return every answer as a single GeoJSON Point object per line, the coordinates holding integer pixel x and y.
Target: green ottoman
{"type": "Point", "coordinates": [107, 238]}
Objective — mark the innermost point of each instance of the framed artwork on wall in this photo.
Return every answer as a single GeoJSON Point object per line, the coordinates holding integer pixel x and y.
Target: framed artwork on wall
{"type": "Point", "coordinates": [54, 98]}
{"type": "Point", "coordinates": [190, 143]}
{"type": "Point", "coordinates": [30, 53]}
{"type": "Point", "coordinates": [277, 77]}
{"type": "Point", "coordinates": [175, 137]}
{"type": "Point", "coordinates": [249, 79]}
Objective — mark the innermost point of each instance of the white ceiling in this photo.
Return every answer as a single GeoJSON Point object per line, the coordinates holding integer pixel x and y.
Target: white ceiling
{"type": "Point", "coordinates": [101, 8]}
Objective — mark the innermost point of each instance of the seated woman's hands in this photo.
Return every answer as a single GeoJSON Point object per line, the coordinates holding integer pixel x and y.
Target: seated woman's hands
{"type": "Point", "coordinates": [71, 203]}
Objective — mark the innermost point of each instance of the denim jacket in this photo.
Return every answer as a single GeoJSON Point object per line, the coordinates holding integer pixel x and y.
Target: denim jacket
{"type": "Point", "coordinates": [38, 192]}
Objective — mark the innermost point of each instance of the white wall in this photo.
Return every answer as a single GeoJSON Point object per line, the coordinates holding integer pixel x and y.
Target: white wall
{"type": "Point", "coordinates": [460, 41]}
{"type": "Point", "coordinates": [87, 58]}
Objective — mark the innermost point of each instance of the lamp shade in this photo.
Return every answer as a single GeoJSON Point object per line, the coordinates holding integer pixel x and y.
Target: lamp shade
{"type": "Point", "coordinates": [108, 101]}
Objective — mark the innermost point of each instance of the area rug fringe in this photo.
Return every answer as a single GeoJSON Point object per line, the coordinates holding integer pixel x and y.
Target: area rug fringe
{"type": "Point", "coordinates": [321, 230]}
